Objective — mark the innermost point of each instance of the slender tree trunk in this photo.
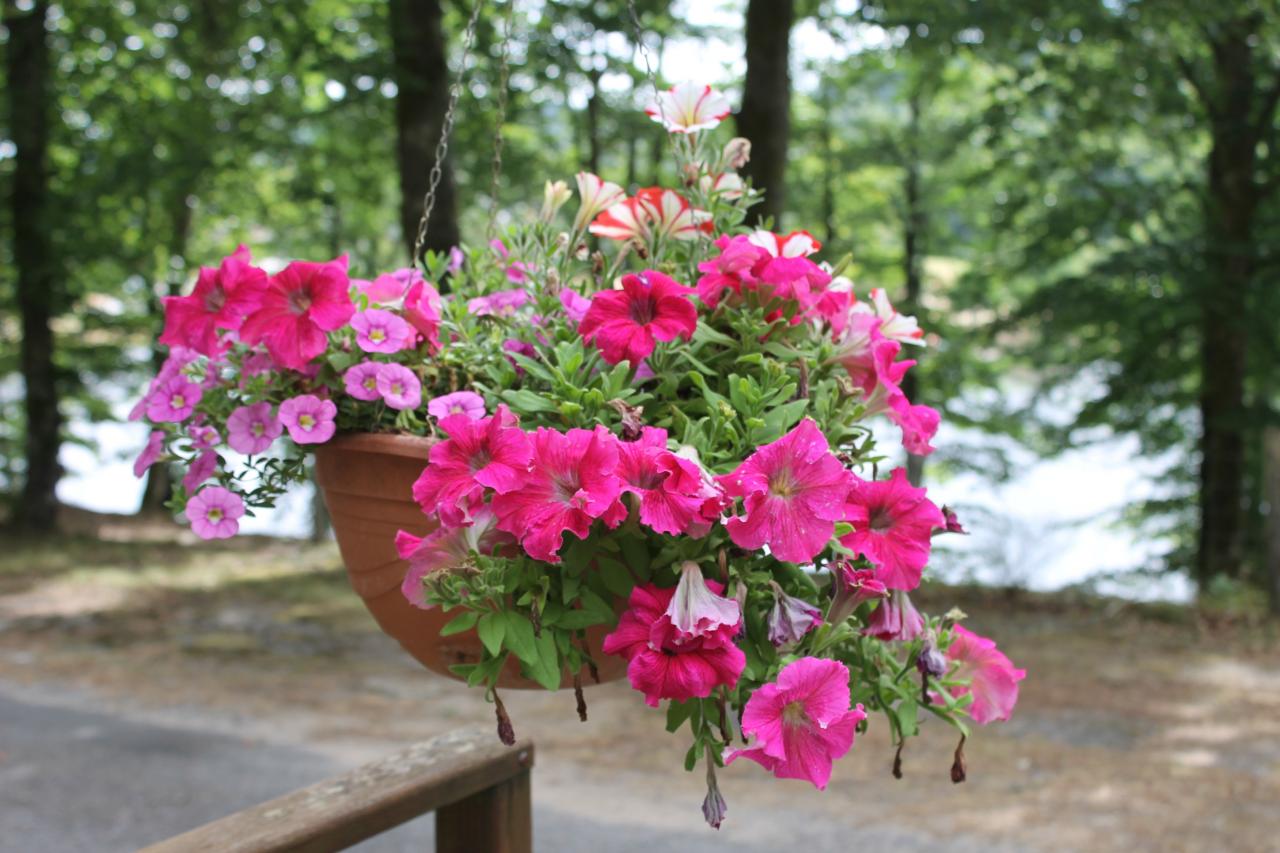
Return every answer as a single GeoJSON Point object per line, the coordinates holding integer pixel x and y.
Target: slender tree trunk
{"type": "Point", "coordinates": [914, 223]}
{"type": "Point", "coordinates": [633, 157]}
{"type": "Point", "coordinates": [421, 66]}
{"type": "Point", "coordinates": [829, 170]}
{"type": "Point", "coordinates": [593, 121]}
{"type": "Point", "coordinates": [33, 256]}
{"type": "Point", "coordinates": [765, 117]}
{"type": "Point", "coordinates": [1230, 254]}
{"type": "Point", "coordinates": [1271, 486]}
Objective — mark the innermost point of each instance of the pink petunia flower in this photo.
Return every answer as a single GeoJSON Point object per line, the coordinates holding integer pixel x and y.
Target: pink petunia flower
{"type": "Point", "coordinates": [466, 403]}
{"type": "Point", "coordinates": [252, 429]}
{"type": "Point", "coordinates": [201, 470]}
{"type": "Point", "coordinates": [504, 303]}
{"type": "Point", "coordinates": [575, 305]}
{"type": "Point", "coordinates": [221, 299]}
{"type": "Point", "coordinates": [446, 548]}
{"type": "Point", "coordinates": [309, 419]}
{"type": "Point", "coordinates": [993, 679]}
{"type": "Point", "coordinates": [203, 436]}
{"type": "Point", "coordinates": [361, 381]}
{"type": "Point", "coordinates": [663, 662]}
{"type": "Point", "coordinates": [774, 267]}
{"type": "Point", "coordinates": [388, 288]}
{"type": "Point", "coordinates": [422, 310]}
{"type": "Point", "coordinates": [570, 482]}
{"type": "Point", "coordinates": [174, 400]}
{"type": "Point", "coordinates": [675, 495]}
{"type": "Point", "coordinates": [793, 493]}
{"type": "Point", "coordinates": [650, 307]}
{"type": "Point", "coordinates": [399, 386]}
{"type": "Point", "coordinates": [150, 454]}
{"type": "Point", "coordinates": [919, 424]}
{"type": "Point", "coordinates": [893, 524]}
{"type": "Point", "coordinates": [214, 513]}
{"type": "Point", "coordinates": [489, 453]}
{"type": "Point", "coordinates": [688, 108]}
{"type": "Point", "coordinates": [379, 330]}
{"type": "Point", "coordinates": [896, 619]}
{"type": "Point", "coordinates": [802, 722]}
{"type": "Point", "coordinates": [850, 589]}
{"type": "Point", "coordinates": [698, 611]}
{"type": "Point", "coordinates": [301, 303]}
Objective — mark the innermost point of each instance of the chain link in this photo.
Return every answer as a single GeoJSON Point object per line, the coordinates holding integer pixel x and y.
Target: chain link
{"type": "Point", "coordinates": [442, 145]}
{"type": "Point", "coordinates": [504, 76]}
{"type": "Point", "coordinates": [649, 69]}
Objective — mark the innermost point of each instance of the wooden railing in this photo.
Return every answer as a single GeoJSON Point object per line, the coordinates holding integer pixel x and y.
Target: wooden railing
{"type": "Point", "coordinates": [478, 788]}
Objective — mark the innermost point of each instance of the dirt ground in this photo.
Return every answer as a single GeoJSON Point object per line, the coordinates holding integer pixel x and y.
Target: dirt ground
{"type": "Point", "coordinates": [1139, 728]}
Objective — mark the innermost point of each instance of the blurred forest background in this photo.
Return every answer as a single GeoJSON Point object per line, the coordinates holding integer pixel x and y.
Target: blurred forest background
{"type": "Point", "coordinates": [1077, 197]}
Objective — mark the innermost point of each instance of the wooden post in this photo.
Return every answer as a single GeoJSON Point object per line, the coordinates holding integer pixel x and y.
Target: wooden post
{"type": "Point", "coordinates": [496, 820]}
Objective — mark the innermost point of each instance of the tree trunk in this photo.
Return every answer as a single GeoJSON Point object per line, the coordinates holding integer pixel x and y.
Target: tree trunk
{"type": "Point", "coordinates": [33, 258]}
{"type": "Point", "coordinates": [421, 67]}
{"type": "Point", "coordinates": [1271, 486]}
{"type": "Point", "coordinates": [913, 229]}
{"type": "Point", "coordinates": [593, 121]}
{"type": "Point", "coordinates": [765, 117]}
{"type": "Point", "coordinates": [1229, 260]}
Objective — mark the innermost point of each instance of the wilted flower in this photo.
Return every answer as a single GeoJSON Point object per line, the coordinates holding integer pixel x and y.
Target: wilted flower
{"type": "Point", "coordinates": [791, 618]}
{"type": "Point", "coordinates": [714, 807]}
{"type": "Point", "coordinates": [737, 153]}
{"type": "Point", "coordinates": [896, 619]}
{"type": "Point", "coordinates": [850, 588]}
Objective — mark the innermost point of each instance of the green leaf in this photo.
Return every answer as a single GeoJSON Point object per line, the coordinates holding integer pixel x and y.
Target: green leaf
{"type": "Point", "coordinates": [677, 713]}
{"type": "Point", "coordinates": [576, 620]}
{"type": "Point", "coordinates": [528, 402]}
{"type": "Point", "coordinates": [491, 628]}
{"type": "Point", "coordinates": [636, 554]}
{"type": "Point", "coordinates": [616, 577]}
{"type": "Point", "coordinates": [545, 667]}
{"type": "Point", "coordinates": [518, 637]}
{"type": "Point", "coordinates": [463, 622]}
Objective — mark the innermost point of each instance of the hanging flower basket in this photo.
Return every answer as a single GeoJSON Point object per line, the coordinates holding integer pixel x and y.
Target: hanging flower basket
{"type": "Point", "coordinates": [636, 441]}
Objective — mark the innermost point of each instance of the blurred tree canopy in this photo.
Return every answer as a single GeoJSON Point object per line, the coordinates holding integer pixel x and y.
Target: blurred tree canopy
{"type": "Point", "coordinates": [1077, 196]}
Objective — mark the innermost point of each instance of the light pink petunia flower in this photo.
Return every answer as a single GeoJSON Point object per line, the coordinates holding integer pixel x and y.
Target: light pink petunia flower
{"type": "Point", "coordinates": [467, 403]}
{"type": "Point", "coordinates": [174, 400]}
{"type": "Point", "coordinates": [379, 330]}
{"type": "Point", "coordinates": [802, 722]}
{"type": "Point", "coordinates": [150, 454]}
{"type": "Point", "coordinates": [665, 663]}
{"type": "Point", "coordinates": [309, 419]}
{"type": "Point", "coordinates": [399, 386]}
{"type": "Point", "coordinates": [575, 305]}
{"type": "Point", "coordinates": [893, 524]}
{"type": "Point", "coordinates": [570, 482]}
{"type": "Point", "coordinates": [689, 107]}
{"type": "Point", "coordinates": [252, 429]}
{"type": "Point", "coordinates": [696, 610]}
{"type": "Point", "coordinates": [444, 548]}
{"type": "Point", "coordinates": [214, 513]}
{"type": "Point", "coordinates": [626, 323]}
{"type": "Point", "coordinates": [993, 679]}
{"type": "Point", "coordinates": [201, 470]}
{"type": "Point", "coordinates": [301, 303]}
{"type": "Point", "coordinates": [489, 453]}
{"type": "Point", "coordinates": [504, 303]}
{"type": "Point", "coordinates": [361, 381]}
{"type": "Point", "coordinates": [793, 493]}
{"type": "Point", "coordinates": [895, 620]}
{"type": "Point", "coordinates": [203, 436]}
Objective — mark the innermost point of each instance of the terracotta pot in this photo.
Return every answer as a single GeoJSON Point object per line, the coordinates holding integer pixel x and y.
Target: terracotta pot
{"type": "Point", "coordinates": [367, 481]}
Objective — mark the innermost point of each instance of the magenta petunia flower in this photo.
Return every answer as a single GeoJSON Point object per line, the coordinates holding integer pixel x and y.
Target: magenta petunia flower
{"type": "Point", "coordinates": [201, 470]}
{"type": "Point", "coordinates": [308, 419]}
{"type": "Point", "coordinates": [361, 381]}
{"type": "Point", "coordinates": [445, 548]}
{"type": "Point", "coordinates": [150, 454]}
{"type": "Point", "coordinates": [466, 403]}
{"type": "Point", "coordinates": [422, 310]}
{"type": "Point", "coordinates": [379, 330]}
{"type": "Point", "coordinates": [698, 611]}
{"type": "Point", "coordinates": [300, 304]}
{"type": "Point", "coordinates": [399, 386]}
{"type": "Point", "coordinates": [489, 453]}
{"type": "Point", "coordinates": [650, 307]}
{"type": "Point", "coordinates": [675, 495]}
{"type": "Point", "coordinates": [221, 300]}
{"type": "Point", "coordinates": [174, 400]}
{"type": "Point", "coordinates": [571, 481]}
{"type": "Point", "coordinates": [793, 493]}
{"type": "Point", "coordinates": [504, 303]}
{"type": "Point", "coordinates": [252, 429]}
{"type": "Point", "coordinates": [993, 679]}
{"type": "Point", "coordinates": [665, 663]}
{"type": "Point", "coordinates": [896, 619]}
{"type": "Point", "coordinates": [802, 722]}
{"type": "Point", "coordinates": [850, 589]}
{"type": "Point", "coordinates": [892, 527]}
{"type": "Point", "coordinates": [214, 513]}
{"type": "Point", "coordinates": [919, 424]}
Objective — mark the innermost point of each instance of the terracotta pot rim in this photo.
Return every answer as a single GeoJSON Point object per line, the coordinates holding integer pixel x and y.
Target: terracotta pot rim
{"type": "Point", "coordinates": [389, 443]}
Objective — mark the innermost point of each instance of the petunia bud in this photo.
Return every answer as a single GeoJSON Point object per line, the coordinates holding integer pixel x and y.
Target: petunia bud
{"type": "Point", "coordinates": [931, 662]}
{"type": "Point", "coordinates": [791, 618]}
{"type": "Point", "coordinates": [554, 196]}
{"type": "Point", "coordinates": [896, 619]}
{"type": "Point", "coordinates": [632, 419]}
{"type": "Point", "coordinates": [695, 609]}
{"type": "Point", "coordinates": [850, 588]}
{"type": "Point", "coordinates": [506, 732]}
{"type": "Point", "coordinates": [714, 807]}
{"type": "Point", "coordinates": [737, 152]}
{"type": "Point", "coordinates": [959, 768]}
{"type": "Point", "coordinates": [952, 523]}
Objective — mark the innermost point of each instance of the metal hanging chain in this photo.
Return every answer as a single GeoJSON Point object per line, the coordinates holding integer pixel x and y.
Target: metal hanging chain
{"type": "Point", "coordinates": [649, 70]}
{"type": "Point", "coordinates": [504, 75]}
{"type": "Point", "coordinates": [442, 145]}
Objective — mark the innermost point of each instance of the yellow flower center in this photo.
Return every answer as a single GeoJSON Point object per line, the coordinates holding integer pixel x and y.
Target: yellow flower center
{"type": "Point", "coordinates": [214, 515]}
{"type": "Point", "coordinates": [177, 401]}
{"type": "Point", "coordinates": [306, 422]}
{"type": "Point", "coordinates": [259, 429]}
{"type": "Point", "coordinates": [377, 335]}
